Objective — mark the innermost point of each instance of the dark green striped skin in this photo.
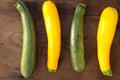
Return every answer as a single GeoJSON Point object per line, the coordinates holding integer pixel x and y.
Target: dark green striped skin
{"type": "Point", "coordinates": [29, 41]}
{"type": "Point", "coordinates": [77, 39]}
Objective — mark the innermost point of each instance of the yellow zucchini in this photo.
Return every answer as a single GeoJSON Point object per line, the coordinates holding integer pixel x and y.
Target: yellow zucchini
{"type": "Point", "coordinates": [52, 23]}
{"type": "Point", "coordinates": [105, 35]}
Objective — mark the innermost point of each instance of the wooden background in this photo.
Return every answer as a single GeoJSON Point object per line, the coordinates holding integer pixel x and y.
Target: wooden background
{"type": "Point", "coordinates": [11, 41]}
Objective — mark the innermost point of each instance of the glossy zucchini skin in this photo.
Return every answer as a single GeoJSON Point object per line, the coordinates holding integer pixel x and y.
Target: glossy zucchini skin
{"type": "Point", "coordinates": [77, 39]}
{"type": "Point", "coordinates": [28, 58]}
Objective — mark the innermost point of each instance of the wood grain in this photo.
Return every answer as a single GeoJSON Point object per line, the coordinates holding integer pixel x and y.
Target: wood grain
{"type": "Point", "coordinates": [11, 41]}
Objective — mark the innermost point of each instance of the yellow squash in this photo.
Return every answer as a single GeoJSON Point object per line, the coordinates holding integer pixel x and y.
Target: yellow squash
{"type": "Point", "coordinates": [105, 35]}
{"type": "Point", "coordinates": [52, 23]}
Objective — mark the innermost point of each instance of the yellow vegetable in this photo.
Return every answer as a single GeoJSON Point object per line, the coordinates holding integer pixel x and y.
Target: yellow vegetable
{"type": "Point", "coordinates": [105, 35]}
{"type": "Point", "coordinates": [52, 23]}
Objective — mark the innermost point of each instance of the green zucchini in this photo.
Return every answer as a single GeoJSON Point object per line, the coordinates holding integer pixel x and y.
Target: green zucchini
{"type": "Point", "coordinates": [28, 58]}
{"type": "Point", "coordinates": [77, 39]}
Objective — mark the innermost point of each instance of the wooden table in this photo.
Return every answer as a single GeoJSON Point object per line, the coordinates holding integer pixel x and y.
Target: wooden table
{"type": "Point", "coordinates": [11, 41]}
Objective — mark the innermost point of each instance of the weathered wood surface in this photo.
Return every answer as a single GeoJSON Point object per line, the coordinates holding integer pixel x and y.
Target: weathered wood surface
{"type": "Point", "coordinates": [11, 41]}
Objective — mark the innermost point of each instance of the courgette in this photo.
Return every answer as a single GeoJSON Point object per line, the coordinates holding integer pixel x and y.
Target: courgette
{"type": "Point", "coordinates": [28, 58]}
{"type": "Point", "coordinates": [77, 39]}
{"type": "Point", "coordinates": [53, 29]}
{"type": "Point", "coordinates": [105, 34]}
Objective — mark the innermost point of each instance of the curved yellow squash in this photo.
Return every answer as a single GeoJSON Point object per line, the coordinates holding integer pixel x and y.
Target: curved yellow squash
{"type": "Point", "coordinates": [105, 35]}
{"type": "Point", "coordinates": [52, 23]}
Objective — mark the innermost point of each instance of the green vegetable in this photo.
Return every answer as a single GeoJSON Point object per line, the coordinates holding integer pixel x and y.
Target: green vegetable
{"type": "Point", "coordinates": [29, 42]}
{"type": "Point", "coordinates": [76, 39]}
